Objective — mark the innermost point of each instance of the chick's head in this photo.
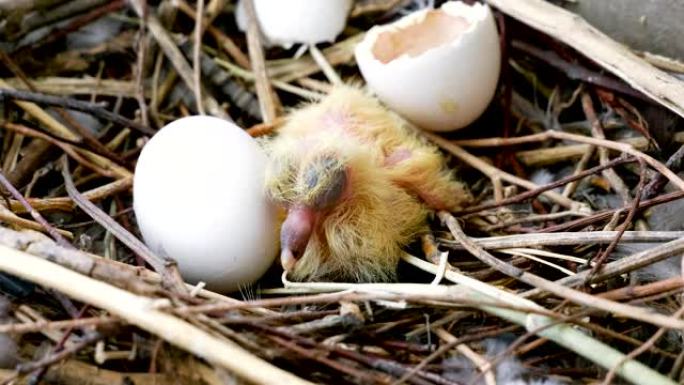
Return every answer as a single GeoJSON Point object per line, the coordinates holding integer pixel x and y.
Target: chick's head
{"type": "Point", "coordinates": [308, 187]}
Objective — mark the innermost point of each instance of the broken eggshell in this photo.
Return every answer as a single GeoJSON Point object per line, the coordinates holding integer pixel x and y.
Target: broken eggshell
{"type": "Point", "coordinates": [199, 198]}
{"type": "Point", "coordinates": [297, 21]}
{"type": "Point", "coordinates": [438, 68]}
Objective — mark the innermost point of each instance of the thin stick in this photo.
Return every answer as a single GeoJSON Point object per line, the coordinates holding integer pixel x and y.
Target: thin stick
{"type": "Point", "coordinates": [68, 148]}
{"type": "Point", "coordinates": [166, 268]}
{"type": "Point", "coordinates": [674, 162]}
{"type": "Point", "coordinates": [523, 254]}
{"type": "Point", "coordinates": [442, 267]}
{"type": "Point", "coordinates": [575, 296]}
{"type": "Point", "coordinates": [75, 372]}
{"type": "Point", "coordinates": [136, 279]}
{"type": "Point", "coordinates": [607, 214]}
{"type": "Point", "coordinates": [12, 219]}
{"type": "Point", "coordinates": [267, 99]}
{"type": "Point", "coordinates": [247, 75]}
{"type": "Point", "coordinates": [57, 128]}
{"type": "Point", "coordinates": [73, 104]}
{"type": "Point", "coordinates": [661, 168]}
{"type": "Point", "coordinates": [563, 334]}
{"type": "Point", "coordinates": [224, 41]}
{"type": "Point", "coordinates": [143, 312]}
{"type": "Point", "coordinates": [653, 288]}
{"type": "Point", "coordinates": [196, 49]}
{"type": "Point", "coordinates": [482, 364]}
{"type": "Point", "coordinates": [578, 72]}
{"type": "Point", "coordinates": [613, 178]}
{"type": "Point", "coordinates": [174, 54]}
{"type": "Point", "coordinates": [362, 8]}
{"type": "Point", "coordinates": [533, 218]}
{"type": "Point", "coordinates": [292, 69]}
{"type": "Point", "coordinates": [140, 72]}
{"type": "Point", "coordinates": [35, 214]}
{"type": "Point", "coordinates": [493, 172]}
{"type": "Point", "coordinates": [611, 55]}
{"type": "Point", "coordinates": [550, 186]}
{"type": "Point", "coordinates": [641, 349]}
{"type": "Point", "coordinates": [66, 204]}
{"type": "Point", "coordinates": [451, 342]}
{"type": "Point", "coordinates": [32, 327]}
{"type": "Point", "coordinates": [327, 69]}
{"type": "Point", "coordinates": [501, 141]}
{"type": "Point", "coordinates": [622, 266]}
{"type": "Point", "coordinates": [60, 355]}
{"type": "Point", "coordinates": [550, 134]}
{"type": "Point", "coordinates": [79, 86]}
{"type": "Point", "coordinates": [565, 153]}
{"type": "Point", "coordinates": [579, 167]}
{"type": "Point", "coordinates": [314, 355]}
{"type": "Point", "coordinates": [600, 259]}
{"type": "Point", "coordinates": [87, 136]}
{"type": "Point", "coordinates": [61, 12]}
{"type": "Point", "coordinates": [547, 254]}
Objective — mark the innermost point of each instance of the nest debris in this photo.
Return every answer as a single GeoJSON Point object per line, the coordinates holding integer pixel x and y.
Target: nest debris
{"type": "Point", "coordinates": [569, 272]}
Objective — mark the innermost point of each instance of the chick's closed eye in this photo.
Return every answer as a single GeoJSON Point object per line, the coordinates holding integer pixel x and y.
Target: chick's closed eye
{"type": "Point", "coordinates": [324, 182]}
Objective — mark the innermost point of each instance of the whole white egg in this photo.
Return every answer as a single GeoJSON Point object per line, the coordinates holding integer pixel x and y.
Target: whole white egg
{"type": "Point", "coordinates": [199, 198]}
{"type": "Point", "coordinates": [286, 22]}
{"type": "Point", "coordinates": [437, 68]}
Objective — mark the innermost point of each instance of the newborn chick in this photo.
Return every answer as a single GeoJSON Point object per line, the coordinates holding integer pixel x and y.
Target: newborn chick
{"type": "Point", "coordinates": [357, 184]}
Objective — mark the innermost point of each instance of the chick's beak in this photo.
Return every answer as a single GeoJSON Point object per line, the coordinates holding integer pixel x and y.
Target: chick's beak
{"type": "Point", "coordinates": [287, 259]}
{"type": "Point", "coordinates": [295, 234]}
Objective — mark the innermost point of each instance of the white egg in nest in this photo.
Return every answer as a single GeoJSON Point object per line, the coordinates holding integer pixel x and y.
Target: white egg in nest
{"type": "Point", "coordinates": [286, 22]}
{"type": "Point", "coordinates": [438, 68]}
{"type": "Point", "coordinates": [199, 198]}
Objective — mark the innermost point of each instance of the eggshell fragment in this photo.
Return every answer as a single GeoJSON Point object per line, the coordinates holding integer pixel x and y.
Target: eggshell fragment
{"type": "Point", "coordinates": [285, 22]}
{"type": "Point", "coordinates": [437, 68]}
{"type": "Point", "coordinates": [199, 198]}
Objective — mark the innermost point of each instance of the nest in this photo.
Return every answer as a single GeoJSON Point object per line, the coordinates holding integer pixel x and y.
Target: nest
{"type": "Point", "coordinates": [566, 271]}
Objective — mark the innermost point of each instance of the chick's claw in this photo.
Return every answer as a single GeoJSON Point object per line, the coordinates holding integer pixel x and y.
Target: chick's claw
{"type": "Point", "coordinates": [358, 185]}
{"type": "Point", "coordinates": [430, 250]}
